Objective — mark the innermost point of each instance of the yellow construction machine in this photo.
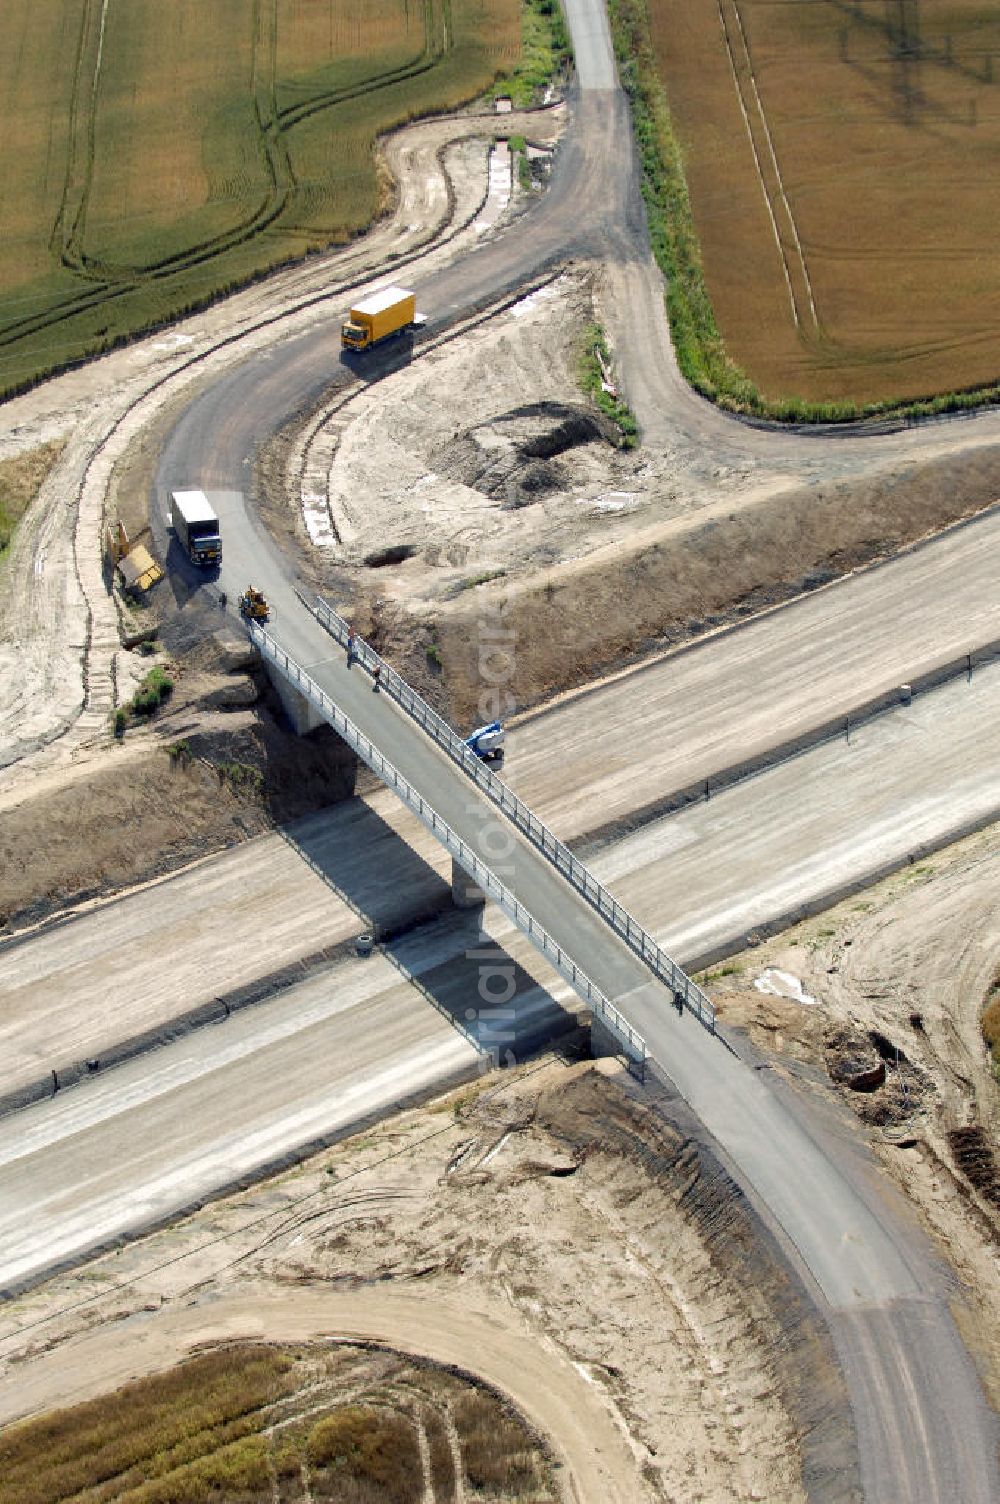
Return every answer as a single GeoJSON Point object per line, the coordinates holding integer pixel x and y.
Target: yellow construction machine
{"type": "Point", "coordinates": [253, 605]}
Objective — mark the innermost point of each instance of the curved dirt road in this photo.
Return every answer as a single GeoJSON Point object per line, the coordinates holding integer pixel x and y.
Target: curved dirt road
{"type": "Point", "coordinates": [599, 1466]}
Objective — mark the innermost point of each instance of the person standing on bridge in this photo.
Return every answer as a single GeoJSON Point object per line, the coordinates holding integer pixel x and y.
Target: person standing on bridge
{"type": "Point", "coordinates": [376, 676]}
{"type": "Point", "coordinates": [350, 645]}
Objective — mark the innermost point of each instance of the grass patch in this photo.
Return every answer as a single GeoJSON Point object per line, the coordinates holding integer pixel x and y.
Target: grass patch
{"type": "Point", "coordinates": [480, 579]}
{"type": "Point", "coordinates": [701, 352]}
{"type": "Point", "coordinates": [154, 690]}
{"type": "Point", "coordinates": [147, 1434]}
{"type": "Point", "coordinates": [21, 479]}
{"type": "Point", "coordinates": [519, 150]}
{"type": "Point", "coordinates": [731, 969]}
{"type": "Point", "coordinates": [241, 776]}
{"type": "Point", "coordinates": [363, 1454]}
{"type": "Point", "coordinates": [545, 57]}
{"type": "Point", "coordinates": [594, 369]}
{"type": "Point", "coordinates": [156, 687]}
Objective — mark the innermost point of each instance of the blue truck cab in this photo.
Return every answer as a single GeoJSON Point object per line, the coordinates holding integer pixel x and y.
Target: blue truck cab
{"type": "Point", "coordinates": [487, 741]}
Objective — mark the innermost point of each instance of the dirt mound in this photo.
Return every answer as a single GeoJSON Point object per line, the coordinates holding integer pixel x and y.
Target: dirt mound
{"type": "Point", "coordinates": [207, 772]}
{"type": "Point", "coordinates": [651, 1165]}
{"type": "Point", "coordinates": [886, 1087]}
{"type": "Point", "coordinates": [513, 458]}
{"type": "Point", "coordinates": [682, 578]}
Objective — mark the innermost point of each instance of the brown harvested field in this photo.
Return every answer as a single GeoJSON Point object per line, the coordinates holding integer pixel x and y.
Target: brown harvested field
{"type": "Point", "coordinates": [153, 156]}
{"type": "Point", "coordinates": [865, 137]}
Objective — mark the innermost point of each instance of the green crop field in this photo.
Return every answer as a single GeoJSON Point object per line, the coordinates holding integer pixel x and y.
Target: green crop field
{"type": "Point", "coordinates": [154, 155]}
{"type": "Point", "coordinates": [841, 160]}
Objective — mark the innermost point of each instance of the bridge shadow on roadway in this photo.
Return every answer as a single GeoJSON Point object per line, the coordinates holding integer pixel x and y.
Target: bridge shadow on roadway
{"type": "Point", "coordinates": [475, 983]}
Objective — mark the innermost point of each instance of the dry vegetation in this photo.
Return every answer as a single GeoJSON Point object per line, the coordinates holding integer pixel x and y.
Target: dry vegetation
{"type": "Point", "coordinates": [884, 123]}
{"type": "Point", "coordinates": [244, 1422]}
{"type": "Point", "coordinates": [150, 167]}
{"type": "Point", "coordinates": [991, 1025]}
{"type": "Point", "coordinates": [21, 477]}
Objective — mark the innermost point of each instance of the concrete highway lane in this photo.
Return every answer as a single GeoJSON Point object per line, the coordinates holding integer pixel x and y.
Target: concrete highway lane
{"type": "Point", "coordinates": [89, 1165]}
{"type": "Point", "coordinates": [724, 701]}
{"type": "Point", "coordinates": [857, 1255]}
{"type": "Point", "coordinates": [316, 1061]}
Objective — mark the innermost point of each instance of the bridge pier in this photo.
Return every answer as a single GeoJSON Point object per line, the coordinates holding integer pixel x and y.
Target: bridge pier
{"type": "Point", "coordinates": [465, 891]}
{"type": "Point", "coordinates": [303, 715]}
{"type": "Point", "coordinates": [339, 759]}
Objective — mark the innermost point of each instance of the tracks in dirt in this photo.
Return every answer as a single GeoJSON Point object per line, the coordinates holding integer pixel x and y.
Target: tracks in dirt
{"type": "Point", "coordinates": [891, 1391]}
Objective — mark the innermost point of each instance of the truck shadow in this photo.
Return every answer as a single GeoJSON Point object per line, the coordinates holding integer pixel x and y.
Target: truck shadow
{"type": "Point", "coordinates": [470, 979]}
{"type": "Point", "coordinates": [370, 366]}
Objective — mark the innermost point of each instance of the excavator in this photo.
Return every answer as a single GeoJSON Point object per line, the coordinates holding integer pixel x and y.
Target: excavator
{"type": "Point", "coordinates": [253, 605]}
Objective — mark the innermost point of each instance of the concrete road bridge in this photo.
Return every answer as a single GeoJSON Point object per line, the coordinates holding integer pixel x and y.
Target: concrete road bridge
{"type": "Point", "coordinates": [874, 1290]}
{"type": "Point", "coordinates": [500, 849]}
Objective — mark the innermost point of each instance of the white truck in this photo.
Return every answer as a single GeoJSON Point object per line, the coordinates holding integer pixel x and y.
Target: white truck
{"type": "Point", "coordinates": [197, 527]}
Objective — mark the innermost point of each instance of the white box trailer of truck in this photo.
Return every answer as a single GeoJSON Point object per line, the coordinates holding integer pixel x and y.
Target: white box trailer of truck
{"type": "Point", "coordinates": [197, 526]}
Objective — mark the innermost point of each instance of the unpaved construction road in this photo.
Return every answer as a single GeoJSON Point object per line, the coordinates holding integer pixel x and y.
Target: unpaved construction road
{"type": "Point", "coordinates": [357, 1039]}
{"type": "Point", "coordinates": [215, 437]}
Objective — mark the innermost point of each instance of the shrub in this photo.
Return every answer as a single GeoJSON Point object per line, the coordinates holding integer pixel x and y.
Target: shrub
{"type": "Point", "coordinates": [156, 687]}
{"type": "Point", "coordinates": [372, 1450]}
{"type": "Point", "coordinates": [546, 53]}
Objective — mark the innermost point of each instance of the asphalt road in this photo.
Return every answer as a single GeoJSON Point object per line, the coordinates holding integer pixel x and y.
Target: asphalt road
{"type": "Point", "coordinates": [858, 1256]}
{"type": "Point", "coordinates": [358, 1037]}
{"type": "Point", "coordinates": [724, 701]}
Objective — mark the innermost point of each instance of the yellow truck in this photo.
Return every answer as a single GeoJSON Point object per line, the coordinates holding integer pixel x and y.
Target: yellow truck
{"type": "Point", "coordinates": [384, 314]}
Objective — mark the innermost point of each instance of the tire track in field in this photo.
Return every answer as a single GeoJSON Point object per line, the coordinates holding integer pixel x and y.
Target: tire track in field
{"type": "Point", "coordinates": [112, 282]}
{"type": "Point", "coordinates": [786, 235]}
{"type": "Point", "coordinates": [68, 229]}
{"type": "Point", "coordinates": [428, 57]}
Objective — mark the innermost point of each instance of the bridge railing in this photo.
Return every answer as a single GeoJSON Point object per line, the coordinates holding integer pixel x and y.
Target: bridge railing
{"type": "Point", "coordinates": [632, 1043]}
{"type": "Point", "coordinates": [639, 941]}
